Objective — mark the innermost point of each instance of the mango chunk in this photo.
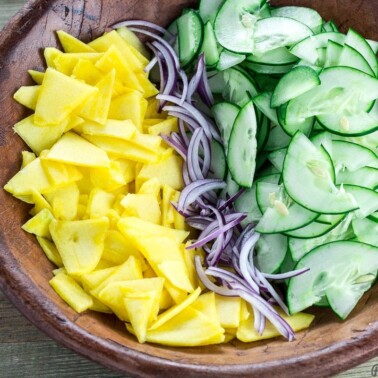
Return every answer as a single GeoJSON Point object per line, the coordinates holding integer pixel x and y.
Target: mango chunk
{"type": "Point", "coordinates": [99, 203]}
{"type": "Point", "coordinates": [228, 309]}
{"type": "Point", "coordinates": [80, 243]}
{"type": "Point", "coordinates": [143, 206]}
{"type": "Point", "coordinates": [151, 187]}
{"type": "Point", "coordinates": [123, 129]}
{"type": "Point", "coordinates": [59, 96]}
{"type": "Point", "coordinates": [71, 44]}
{"type": "Point", "coordinates": [50, 54]}
{"type": "Point", "coordinates": [135, 42]}
{"type": "Point", "coordinates": [71, 292]}
{"type": "Point", "coordinates": [37, 76]}
{"type": "Point", "coordinates": [205, 303]}
{"type": "Point", "coordinates": [27, 157]}
{"type": "Point", "coordinates": [50, 251]}
{"type": "Point", "coordinates": [188, 328]}
{"type": "Point", "coordinates": [86, 71]}
{"type": "Point", "coordinates": [28, 96]}
{"type": "Point", "coordinates": [72, 149]}
{"type": "Point", "coordinates": [39, 224]}
{"type": "Point", "coordinates": [66, 62]}
{"type": "Point", "coordinates": [165, 127]}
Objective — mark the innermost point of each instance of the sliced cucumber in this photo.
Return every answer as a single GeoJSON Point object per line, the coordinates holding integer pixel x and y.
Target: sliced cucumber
{"type": "Point", "coordinates": [229, 59]}
{"type": "Point", "coordinates": [266, 69]}
{"type": "Point", "coordinates": [208, 10]}
{"type": "Point", "coordinates": [235, 24]}
{"type": "Point", "coordinates": [277, 158]}
{"type": "Point", "coordinates": [225, 114]}
{"type": "Point", "coordinates": [366, 199]}
{"type": "Point", "coordinates": [319, 227]}
{"type": "Point", "coordinates": [342, 271]}
{"type": "Point", "coordinates": [330, 26]}
{"type": "Point", "coordinates": [268, 171]}
{"type": "Point", "coordinates": [307, 16]}
{"type": "Point", "coordinates": [279, 56]}
{"type": "Point", "coordinates": [373, 45]}
{"type": "Point", "coordinates": [242, 148]}
{"type": "Point", "coordinates": [273, 178]}
{"type": "Point", "coordinates": [296, 82]}
{"type": "Point", "coordinates": [262, 102]}
{"type": "Point", "coordinates": [290, 126]}
{"type": "Point", "coordinates": [190, 36]}
{"type": "Point", "coordinates": [263, 133]}
{"type": "Point", "coordinates": [365, 176]}
{"type": "Point", "coordinates": [270, 252]}
{"type": "Point", "coordinates": [307, 49]}
{"type": "Point", "coordinates": [231, 187]}
{"type": "Point", "coordinates": [334, 51]}
{"type": "Point", "coordinates": [218, 165]}
{"type": "Point", "coordinates": [374, 217]}
{"type": "Point", "coordinates": [273, 32]}
{"type": "Point", "coordinates": [277, 138]}
{"type": "Point", "coordinates": [267, 193]}
{"type": "Point", "coordinates": [287, 265]}
{"type": "Point", "coordinates": [247, 204]}
{"type": "Point", "coordinates": [307, 176]}
{"type": "Point", "coordinates": [209, 45]}
{"type": "Point", "coordinates": [350, 57]}
{"type": "Point", "coordinates": [366, 231]}
{"type": "Point", "coordinates": [300, 247]}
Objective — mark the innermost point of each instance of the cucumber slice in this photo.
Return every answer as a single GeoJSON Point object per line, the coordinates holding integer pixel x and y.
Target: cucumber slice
{"type": "Point", "coordinates": [359, 43]}
{"type": "Point", "coordinates": [342, 271]}
{"type": "Point", "coordinates": [270, 252]}
{"type": "Point", "coordinates": [229, 59]}
{"type": "Point", "coordinates": [366, 177]}
{"type": "Point", "coordinates": [247, 204]}
{"type": "Point", "coordinates": [218, 164]}
{"type": "Point", "coordinates": [268, 171]}
{"type": "Point", "coordinates": [209, 45]}
{"type": "Point", "coordinates": [374, 217]}
{"type": "Point", "coordinates": [350, 57]}
{"type": "Point", "coordinates": [351, 156]}
{"type": "Point", "coordinates": [266, 83]}
{"type": "Point", "coordinates": [267, 193]}
{"type": "Point", "coordinates": [266, 69]}
{"type": "Point", "coordinates": [262, 102]}
{"type": "Point", "coordinates": [242, 148]}
{"type": "Point", "coordinates": [317, 228]}
{"type": "Point", "coordinates": [307, 16]}
{"type": "Point", "coordinates": [287, 265]}
{"type": "Point", "coordinates": [273, 178]}
{"type": "Point", "coordinates": [277, 57]}
{"type": "Point", "coordinates": [208, 10]}
{"type": "Point", "coordinates": [300, 247]}
{"type": "Point", "coordinates": [329, 26]}
{"type": "Point", "coordinates": [273, 32]}
{"type": "Point", "coordinates": [366, 199]}
{"type": "Point", "coordinates": [307, 176]}
{"type": "Point", "coordinates": [263, 133]}
{"type": "Point", "coordinates": [231, 187]}
{"type": "Point", "coordinates": [277, 158]}
{"type": "Point", "coordinates": [190, 36]}
{"type": "Point", "coordinates": [235, 24]}
{"type": "Point", "coordinates": [296, 82]}
{"type": "Point", "coordinates": [373, 45]}
{"type": "Point", "coordinates": [366, 231]}
{"type": "Point", "coordinates": [225, 114]}
{"type": "Point", "coordinates": [324, 139]}
{"type": "Point", "coordinates": [277, 138]}
{"type": "Point", "coordinates": [333, 53]}
{"type": "Point", "coordinates": [289, 126]}
{"type": "Point", "coordinates": [307, 49]}
{"type": "Point", "coordinates": [235, 85]}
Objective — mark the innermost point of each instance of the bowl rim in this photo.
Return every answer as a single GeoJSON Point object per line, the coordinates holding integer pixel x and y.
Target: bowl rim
{"type": "Point", "coordinates": [25, 296]}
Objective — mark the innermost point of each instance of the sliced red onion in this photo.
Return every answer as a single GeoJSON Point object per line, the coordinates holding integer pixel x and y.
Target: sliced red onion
{"type": "Point", "coordinates": [194, 82]}
{"type": "Point", "coordinates": [231, 200]}
{"type": "Point", "coordinates": [199, 223]}
{"type": "Point", "coordinates": [185, 175]}
{"type": "Point", "coordinates": [146, 24]}
{"type": "Point", "coordinates": [179, 148]}
{"type": "Point", "coordinates": [204, 90]}
{"type": "Point", "coordinates": [151, 64]}
{"type": "Point", "coordinates": [193, 164]}
{"type": "Point", "coordinates": [196, 189]}
{"type": "Point", "coordinates": [185, 83]}
{"type": "Point", "coordinates": [285, 276]}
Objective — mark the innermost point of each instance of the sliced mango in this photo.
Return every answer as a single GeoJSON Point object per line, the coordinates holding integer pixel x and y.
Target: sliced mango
{"type": "Point", "coordinates": [39, 224]}
{"type": "Point", "coordinates": [71, 44]}
{"type": "Point", "coordinates": [143, 206]}
{"type": "Point", "coordinates": [50, 251]}
{"type": "Point", "coordinates": [28, 96]}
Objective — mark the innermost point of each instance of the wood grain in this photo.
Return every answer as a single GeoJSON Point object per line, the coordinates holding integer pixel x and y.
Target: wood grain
{"type": "Point", "coordinates": [330, 346]}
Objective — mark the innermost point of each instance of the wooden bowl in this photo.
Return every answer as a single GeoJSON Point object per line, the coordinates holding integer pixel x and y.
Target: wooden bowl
{"type": "Point", "coordinates": [329, 346]}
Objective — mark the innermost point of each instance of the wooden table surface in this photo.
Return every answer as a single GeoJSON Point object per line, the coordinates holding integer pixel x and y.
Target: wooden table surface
{"type": "Point", "coordinates": [27, 352]}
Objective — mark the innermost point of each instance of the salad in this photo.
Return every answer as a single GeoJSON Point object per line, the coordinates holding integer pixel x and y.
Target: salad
{"type": "Point", "coordinates": [220, 206]}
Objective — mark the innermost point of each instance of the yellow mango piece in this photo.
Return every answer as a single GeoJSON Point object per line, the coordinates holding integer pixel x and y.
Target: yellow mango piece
{"type": "Point", "coordinates": [71, 292]}
{"type": "Point", "coordinates": [168, 172]}
{"type": "Point", "coordinates": [205, 303]}
{"type": "Point", "coordinates": [86, 71]}
{"type": "Point", "coordinates": [152, 110]}
{"type": "Point", "coordinates": [39, 202]}
{"type": "Point", "coordinates": [100, 307]}
{"type": "Point", "coordinates": [39, 224]}
{"type": "Point", "coordinates": [64, 201]}
{"type": "Point", "coordinates": [149, 89]}
{"type": "Point", "coordinates": [38, 138]}
{"type": "Point", "coordinates": [59, 96]}
{"type": "Point", "coordinates": [138, 228]}
{"type": "Point", "coordinates": [143, 206]}
{"type": "Point", "coordinates": [165, 300]}
{"type": "Point", "coordinates": [80, 243]}
{"type": "Point", "coordinates": [123, 129]}
{"type": "Point", "coordinates": [27, 157]}
{"type": "Point", "coordinates": [28, 179]}
{"type": "Point", "coordinates": [118, 249]}
{"type": "Point", "coordinates": [99, 203]}
{"type": "Point", "coordinates": [188, 256]}
{"type": "Point", "coordinates": [230, 334]}
{"type": "Point", "coordinates": [28, 96]}
{"type": "Point", "coordinates": [165, 127]}
{"type": "Point", "coordinates": [188, 328]}
{"type": "Point", "coordinates": [95, 278]}
{"type": "Point", "coordinates": [247, 333]}
{"type": "Point", "coordinates": [228, 309]}
{"type": "Point", "coordinates": [167, 218]}
{"type": "Point", "coordinates": [97, 107]}
{"type": "Point", "coordinates": [50, 54]}
{"type": "Point", "coordinates": [145, 141]}
{"type": "Point", "coordinates": [110, 178]}
{"type": "Point", "coordinates": [71, 44]}
{"type": "Point", "coordinates": [66, 62]}
{"type": "Point", "coordinates": [128, 169]}
{"type": "Point", "coordinates": [141, 300]}
{"type": "Point", "coordinates": [133, 41]}
{"type": "Point", "coordinates": [123, 148]}
{"type": "Point", "coordinates": [72, 149]}
{"type": "Point", "coordinates": [174, 310]}
{"type": "Point", "coordinates": [50, 251]}
{"type": "Point", "coordinates": [113, 39]}
{"type": "Point", "coordinates": [113, 59]}
{"type": "Point", "coordinates": [130, 106]}
{"type": "Point", "coordinates": [173, 271]}
{"type": "Point", "coordinates": [37, 76]}
{"type": "Point", "coordinates": [152, 187]}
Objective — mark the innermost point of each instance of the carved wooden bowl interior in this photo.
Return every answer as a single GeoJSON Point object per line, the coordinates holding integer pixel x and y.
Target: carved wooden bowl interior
{"type": "Point", "coordinates": [329, 346]}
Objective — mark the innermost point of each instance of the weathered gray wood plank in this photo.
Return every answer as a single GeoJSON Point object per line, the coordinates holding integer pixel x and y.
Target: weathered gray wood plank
{"type": "Point", "coordinates": [26, 352]}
